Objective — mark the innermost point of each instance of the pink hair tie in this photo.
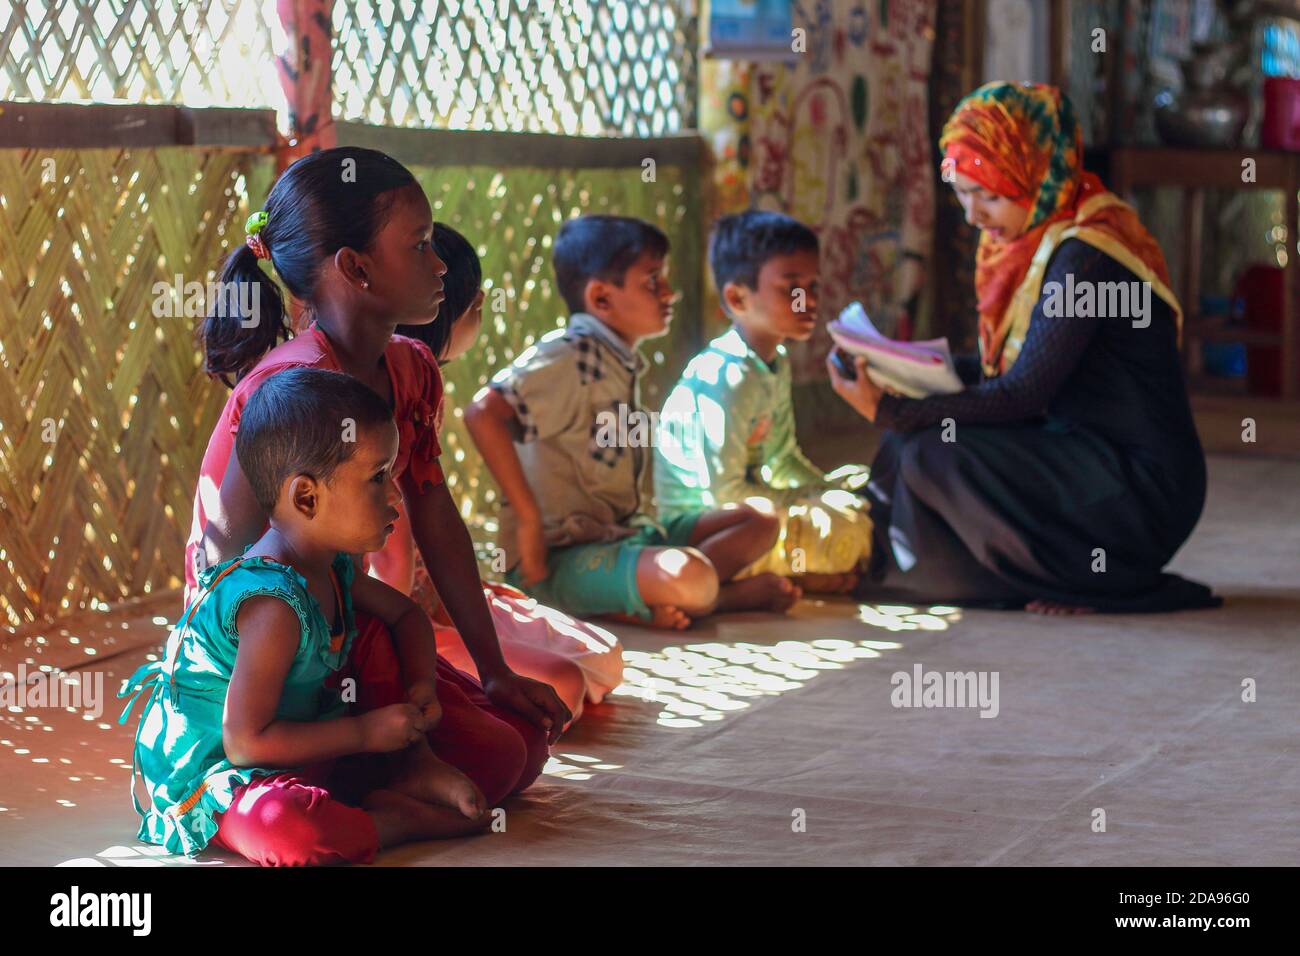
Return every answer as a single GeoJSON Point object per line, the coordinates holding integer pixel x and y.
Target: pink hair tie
{"type": "Point", "coordinates": [258, 246]}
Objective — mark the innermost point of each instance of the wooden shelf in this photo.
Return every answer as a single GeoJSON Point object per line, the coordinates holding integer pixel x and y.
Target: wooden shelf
{"type": "Point", "coordinates": [1217, 330]}
{"type": "Point", "coordinates": [1194, 171]}
{"type": "Point", "coordinates": [1148, 166]}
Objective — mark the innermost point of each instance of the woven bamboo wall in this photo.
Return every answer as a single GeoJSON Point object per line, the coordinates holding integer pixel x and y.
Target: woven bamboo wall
{"type": "Point", "coordinates": [103, 412]}
{"type": "Point", "coordinates": [101, 511]}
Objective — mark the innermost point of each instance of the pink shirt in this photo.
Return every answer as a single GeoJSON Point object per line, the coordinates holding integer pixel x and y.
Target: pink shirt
{"type": "Point", "coordinates": [417, 408]}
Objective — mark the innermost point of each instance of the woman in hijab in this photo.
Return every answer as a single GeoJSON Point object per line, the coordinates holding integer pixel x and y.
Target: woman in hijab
{"type": "Point", "coordinates": [1068, 472]}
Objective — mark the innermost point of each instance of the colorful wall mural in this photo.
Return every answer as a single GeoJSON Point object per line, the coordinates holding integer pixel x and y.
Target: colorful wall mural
{"type": "Point", "coordinates": [839, 137]}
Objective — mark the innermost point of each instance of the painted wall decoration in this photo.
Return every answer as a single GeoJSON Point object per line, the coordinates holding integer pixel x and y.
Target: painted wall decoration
{"type": "Point", "coordinates": [840, 140]}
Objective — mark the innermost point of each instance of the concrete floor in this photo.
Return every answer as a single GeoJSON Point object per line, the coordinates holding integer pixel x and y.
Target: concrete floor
{"type": "Point", "coordinates": [728, 737]}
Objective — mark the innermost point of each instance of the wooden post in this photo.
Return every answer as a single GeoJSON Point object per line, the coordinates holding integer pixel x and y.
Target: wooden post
{"type": "Point", "coordinates": [305, 69]}
{"type": "Point", "coordinates": [1193, 217]}
{"type": "Point", "coordinates": [1290, 338]}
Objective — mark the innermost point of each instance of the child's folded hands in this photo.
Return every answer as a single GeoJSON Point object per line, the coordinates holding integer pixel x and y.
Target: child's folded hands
{"type": "Point", "coordinates": [424, 695]}
{"type": "Point", "coordinates": [390, 728]}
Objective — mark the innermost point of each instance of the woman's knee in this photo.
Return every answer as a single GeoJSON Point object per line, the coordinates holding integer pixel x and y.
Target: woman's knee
{"type": "Point", "coordinates": [925, 456]}
{"type": "Point", "coordinates": [681, 577]}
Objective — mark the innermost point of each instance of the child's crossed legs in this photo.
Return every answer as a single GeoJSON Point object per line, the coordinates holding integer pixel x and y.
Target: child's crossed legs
{"type": "Point", "coordinates": [667, 578]}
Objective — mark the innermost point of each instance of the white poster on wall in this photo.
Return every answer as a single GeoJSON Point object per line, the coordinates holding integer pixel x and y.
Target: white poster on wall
{"type": "Point", "coordinates": [1016, 41]}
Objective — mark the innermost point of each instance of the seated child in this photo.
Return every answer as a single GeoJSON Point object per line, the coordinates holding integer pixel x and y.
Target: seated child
{"type": "Point", "coordinates": [533, 637]}
{"type": "Point", "coordinates": [573, 524]}
{"type": "Point", "coordinates": [726, 433]}
{"type": "Point", "coordinates": [247, 741]}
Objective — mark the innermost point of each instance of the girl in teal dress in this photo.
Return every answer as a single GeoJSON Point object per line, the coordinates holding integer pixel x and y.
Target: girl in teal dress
{"type": "Point", "coordinates": [256, 735]}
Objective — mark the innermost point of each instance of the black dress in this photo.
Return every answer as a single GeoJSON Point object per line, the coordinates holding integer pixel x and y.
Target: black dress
{"type": "Point", "coordinates": [1073, 477]}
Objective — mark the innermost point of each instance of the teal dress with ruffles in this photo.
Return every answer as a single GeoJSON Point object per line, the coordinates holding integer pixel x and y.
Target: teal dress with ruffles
{"type": "Point", "coordinates": [178, 744]}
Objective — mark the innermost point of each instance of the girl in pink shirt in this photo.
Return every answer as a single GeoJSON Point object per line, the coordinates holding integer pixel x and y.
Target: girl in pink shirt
{"type": "Point", "coordinates": [348, 231]}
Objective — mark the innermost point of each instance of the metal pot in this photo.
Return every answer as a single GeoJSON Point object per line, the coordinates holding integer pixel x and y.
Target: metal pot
{"type": "Point", "coordinates": [1202, 117]}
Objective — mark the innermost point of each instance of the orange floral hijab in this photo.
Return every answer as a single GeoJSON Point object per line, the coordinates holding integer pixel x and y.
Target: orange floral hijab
{"type": "Point", "coordinates": [1023, 142]}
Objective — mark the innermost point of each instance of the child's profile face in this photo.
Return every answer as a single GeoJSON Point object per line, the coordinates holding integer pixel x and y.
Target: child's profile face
{"type": "Point", "coordinates": [358, 504]}
{"type": "Point", "coordinates": [408, 273]}
{"type": "Point", "coordinates": [465, 331]}
{"type": "Point", "coordinates": [642, 307]}
{"type": "Point", "coordinates": [784, 305]}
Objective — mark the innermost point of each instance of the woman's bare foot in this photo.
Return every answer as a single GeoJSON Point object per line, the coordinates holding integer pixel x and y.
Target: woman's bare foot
{"type": "Point", "coordinates": [664, 616]}
{"type": "Point", "coordinates": [762, 592]}
{"type": "Point", "coordinates": [422, 776]}
{"type": "Point", "coordinates": [827, 583]}
{"type": "Point", "coordinates": [400, 819]}
{"type": "Point", "coordinates": [1056, 608]}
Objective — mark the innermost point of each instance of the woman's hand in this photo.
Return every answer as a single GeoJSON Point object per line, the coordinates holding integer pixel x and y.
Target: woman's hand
{"type": "Point", "coordinates": [536, 701]}
{"type": "Point", "coordinates": [862, 393]}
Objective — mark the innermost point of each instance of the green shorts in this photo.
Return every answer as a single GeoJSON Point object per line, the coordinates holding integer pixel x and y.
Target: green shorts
{"type": "Point", "coordinates": [587, 580]}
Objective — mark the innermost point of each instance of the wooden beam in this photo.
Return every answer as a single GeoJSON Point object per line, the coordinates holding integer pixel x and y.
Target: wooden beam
{"type": "Point", "coordinates": [1058, 57]}
{"type": "Point", "coordinates": [106, 125]}
{"type": "Point", "coordinates": [1137, 166]}
{"type": "Point", "coordinates": [443, 147]}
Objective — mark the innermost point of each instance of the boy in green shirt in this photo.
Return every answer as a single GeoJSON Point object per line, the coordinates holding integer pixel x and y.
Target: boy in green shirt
{"type": "Point", "coordinates": [726, 434]}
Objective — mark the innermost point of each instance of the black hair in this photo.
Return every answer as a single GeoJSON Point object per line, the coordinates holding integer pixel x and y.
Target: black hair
{"type": "Point", "coordinates": [323, 202]}
{"type": "Point", "coordinates": [743, 242]}
{"type": "Point", "coordinates": [461, 283]}
{"type": "Point", "coordinates": [600, 247]}
{"type": "Point", "coordinates": [298, 422]}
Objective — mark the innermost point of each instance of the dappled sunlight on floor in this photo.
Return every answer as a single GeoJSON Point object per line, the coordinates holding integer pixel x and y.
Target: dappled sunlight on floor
{"type": "Point", "coordinates": [695, 685]}
{"type": "Point", "coordinates": [139, 855]}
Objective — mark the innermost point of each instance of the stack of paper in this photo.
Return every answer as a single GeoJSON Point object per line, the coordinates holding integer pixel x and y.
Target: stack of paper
{"type": "Point", "coordinates": [913, 369]}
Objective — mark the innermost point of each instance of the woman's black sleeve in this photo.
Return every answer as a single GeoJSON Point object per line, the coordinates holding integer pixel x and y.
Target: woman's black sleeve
{"type": "Point", "coordinates": [1051, 351]}
{"type": "Point", "coordinates": [968, 369]}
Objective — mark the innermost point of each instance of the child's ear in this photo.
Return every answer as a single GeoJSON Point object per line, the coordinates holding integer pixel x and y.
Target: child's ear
{"type": "Point", "coordinates": [736, 298]}
{"type": "Point", "coordinates": [352, 266]}
{"type": "Point", "coordinates": [596, 298]}
{"type": "Point", "coordinates": [304, 495]}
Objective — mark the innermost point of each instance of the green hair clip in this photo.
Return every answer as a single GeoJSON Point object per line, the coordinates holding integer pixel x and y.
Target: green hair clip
{"type": "Point", "coordinates": [255, 222]}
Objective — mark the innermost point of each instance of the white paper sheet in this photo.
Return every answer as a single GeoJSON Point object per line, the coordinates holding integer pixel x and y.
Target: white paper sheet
{"type": "Point", "coordinates": [913, 369]}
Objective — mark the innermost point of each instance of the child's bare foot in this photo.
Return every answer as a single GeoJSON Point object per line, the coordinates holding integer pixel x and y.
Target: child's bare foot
{"type": "Point", "coordinates": [399, 819]}
{"type": "Point", "coordinates": [422, 776]}
{"type": "Point", "coordinates": [762, 592]}
{"type": "Point", "coordinates": [664, 616]}
{"type": "Point", "coordinates": [1056, 608]}
{"type": "Point", "coordinates": [827, 583]}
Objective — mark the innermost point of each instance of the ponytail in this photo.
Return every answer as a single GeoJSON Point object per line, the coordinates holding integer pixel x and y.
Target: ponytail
{"type": "Point", "coordinates": [323, 202]}
{"type": "Point", "coordinates": [245, 320]}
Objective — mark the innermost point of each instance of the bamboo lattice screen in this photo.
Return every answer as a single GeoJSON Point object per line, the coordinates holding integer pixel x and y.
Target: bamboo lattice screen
{"type": "Point", "coordinates": [570, 66]}
{"type": "Point", "coordinates": [138, 51]}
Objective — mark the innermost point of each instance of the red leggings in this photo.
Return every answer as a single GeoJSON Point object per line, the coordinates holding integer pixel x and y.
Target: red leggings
{"type": "Point", "coordinates": [297, 819]}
